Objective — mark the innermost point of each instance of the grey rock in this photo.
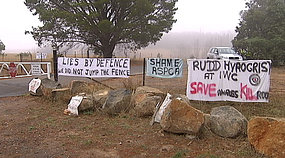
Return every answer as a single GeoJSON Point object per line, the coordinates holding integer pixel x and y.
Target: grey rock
{"type": "Point", "coordinates": [146, 106]}
{"type": "Point", "coordinates": [100, 98]}
{"type": "Point", "coordinates": [228, 122]}
{"type": "Point", "coordinates": [86, 104]}
{"type": "Point", "coordinates": [47, 86]}
{"type": "Point", "coordinates": [118, 101]}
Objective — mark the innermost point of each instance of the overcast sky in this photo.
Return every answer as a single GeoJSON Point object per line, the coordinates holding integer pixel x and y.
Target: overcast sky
{"type": "Point", "coordinates": [192, 15]}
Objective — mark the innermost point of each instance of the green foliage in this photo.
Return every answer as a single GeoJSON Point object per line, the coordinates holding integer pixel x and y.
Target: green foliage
{"type": "Point", "coordinates": [102, 24]}
{"type": "Point", "coordinates": [2, 46]}
{"type": "Point", "coordinates": [261, 31]}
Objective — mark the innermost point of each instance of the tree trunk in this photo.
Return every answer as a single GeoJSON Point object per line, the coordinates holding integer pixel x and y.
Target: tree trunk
{"type": "Point", "coordinates": [108, 50]}
{"type": "Point", "coordinates": [108, 54]}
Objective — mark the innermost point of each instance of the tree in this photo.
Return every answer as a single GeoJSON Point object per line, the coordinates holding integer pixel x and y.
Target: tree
{"type": "Point", "coordinates": [102, 24]}
{"type": "Point", "coordinates": [2, 46]}
{"type": "Point", "coordinates": [261, 31]}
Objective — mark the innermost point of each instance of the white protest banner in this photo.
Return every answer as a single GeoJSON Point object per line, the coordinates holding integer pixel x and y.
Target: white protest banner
{"type": "Point", "coordinates": [164, 68]}
{"type": "Point", "coordinates": [74, 104]}
{"type": "Point", "coordinates": [228, 80]}
{"type": "Point", "coordinates": [94, 67]}
{"type": "Point", "coordinates": [34, 85]}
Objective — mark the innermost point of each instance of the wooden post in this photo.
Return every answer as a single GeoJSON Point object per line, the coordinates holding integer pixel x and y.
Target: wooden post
{"type": "Point", "coordinates": [55, 64]}
{"type": "Point", "coordinates": [143, 71]}
{"type": "Point", "coordinates": [21, 57]}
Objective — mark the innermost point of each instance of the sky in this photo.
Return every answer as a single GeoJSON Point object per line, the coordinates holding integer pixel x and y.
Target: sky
{"type": "Point", "coordinates": [192, 16]}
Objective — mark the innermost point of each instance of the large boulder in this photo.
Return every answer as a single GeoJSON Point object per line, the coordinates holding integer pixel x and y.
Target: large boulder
{"type": "Point", "coordinates": [181, 97]}
{"type": "Point", "coordinates": [144, 101]}
{"type": "Point", "coordinates": [118, 101]}
{"type": "Point", "coordinates": [227, 122]}
{"type": "Point", "coordinates": [86, 104]}
{"type": "Point", "coordinates": [180, 117]}
{"type": "Point", "coordinates": [78, 87]}
{"type": "Point", "coordinates": [145, 105]}
{"type": "Point", "coordinates": [149, 90]}
{"type": "Point", "coordinates": [267, 135]}
{"type": "Point", "coordinates": [100, 97]}
{"type": "Point", "coordinates": [47, 86]}
{"type": "Point", "coordinates": [61, 95]}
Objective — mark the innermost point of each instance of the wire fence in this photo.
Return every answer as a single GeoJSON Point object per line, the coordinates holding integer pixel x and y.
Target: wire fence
{"type": "Point", "coordinates": [177, 85]}
{"type": "Point", "coordinates": [173, 85]}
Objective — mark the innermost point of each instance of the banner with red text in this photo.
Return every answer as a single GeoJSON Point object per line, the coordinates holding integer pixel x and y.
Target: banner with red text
{"type": "Point", "coordinates": [228, 80]}
{"type": "Point", "coordinates": [94, 67]}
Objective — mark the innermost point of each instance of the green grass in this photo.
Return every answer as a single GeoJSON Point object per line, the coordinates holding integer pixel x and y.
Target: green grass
{"type": "Point", "coordinates": [180, 154]}
{"type": "Point", "coordinates": [88, 142]}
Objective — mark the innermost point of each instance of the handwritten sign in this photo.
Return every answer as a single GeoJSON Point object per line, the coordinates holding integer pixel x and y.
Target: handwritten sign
{"type": "Point", "coordinates": [36, 69]}
{"type": "Point", "coordinates": [229, 80]}
{"type": "Point", "coordinates": [94, 67]}
{"type": "Point", "coordinates": [164, 68]}
{"type": "Point", "coordinates": [74, 104]}
{"type": "Point", "coordinates": [34, 85]}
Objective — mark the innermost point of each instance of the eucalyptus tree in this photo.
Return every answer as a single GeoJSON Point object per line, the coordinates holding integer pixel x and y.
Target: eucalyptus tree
{"type": "Point", "coordinates": [102, 24]}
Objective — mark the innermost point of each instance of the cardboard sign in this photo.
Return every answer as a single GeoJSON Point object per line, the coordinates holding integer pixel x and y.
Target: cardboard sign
{"type": "Point", "coordinates": [74, 104]}
{"type": "Point", "coordinates": [164, 68]}
{"type": "Point", "coordinates": [36, 69]}
{"type": "Point", "coordinates": [229, 80]}
{"type": "Point", "coordinates": [34, 85]}
{"type": "Point", "coordinates": [94, 67]}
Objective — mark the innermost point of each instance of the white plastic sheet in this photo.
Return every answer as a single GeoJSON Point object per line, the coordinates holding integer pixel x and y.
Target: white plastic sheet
{"type": "Point", "coordinates": [162, 108]}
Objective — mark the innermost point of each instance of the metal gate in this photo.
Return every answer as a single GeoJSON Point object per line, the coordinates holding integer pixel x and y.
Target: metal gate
{"type": "Point", "coordinates": [24, 69]}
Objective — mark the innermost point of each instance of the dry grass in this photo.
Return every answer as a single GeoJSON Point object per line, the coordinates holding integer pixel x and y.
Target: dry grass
{"type": "Point", "coordinates": [35, 127]}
